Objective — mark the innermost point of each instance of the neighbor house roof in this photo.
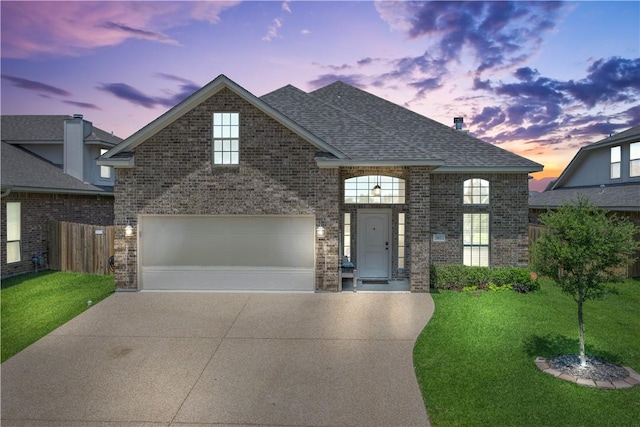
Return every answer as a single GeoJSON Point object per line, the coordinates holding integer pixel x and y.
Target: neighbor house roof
{"type": "Point", "coordinates": [38, 128]}
{"type": "Point", "coordinates": [22, 171]}
{"type": "Point", "coordinates": [629, 135]}
{"type": "Point", "coordinates": [624, 197]}
{"type": "Point", "coordinates": [350, 127]}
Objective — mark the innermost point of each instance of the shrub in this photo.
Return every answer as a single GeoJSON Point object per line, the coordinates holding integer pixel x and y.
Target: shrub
{"type": "Point", "coordinates": [464, 278]}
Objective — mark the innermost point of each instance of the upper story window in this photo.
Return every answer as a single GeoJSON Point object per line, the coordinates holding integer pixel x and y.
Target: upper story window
{"type": "Point", "coordinates": [226, 138]}
{"type": "Point", "coordinates": [634, 162]}
{"type": "Point", "coordinates": [374, 189]}
{"type": "Point", "coordinates": [476, 192]}
{"type": "Point", "coordinates": [615, 162]}
{"type": "Point", "coordinates": [105, 171]}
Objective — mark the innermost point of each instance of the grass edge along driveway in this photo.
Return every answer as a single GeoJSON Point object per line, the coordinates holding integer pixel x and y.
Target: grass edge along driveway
{"type": "Point", "coordinates": [474, 359]}
{"type": "Point", "coordinates": [35, 304]}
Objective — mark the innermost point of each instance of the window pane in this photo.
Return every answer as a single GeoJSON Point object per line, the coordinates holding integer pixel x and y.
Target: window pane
{"type": "Point", "coordinates": [226, 145]}
{"type": "Point", "coordinates": [217, 145]}
{"type": "Point", "coordinates": [475, 192]}
{"type": "Point", "coordinates": [360, 188]}
{"type": "Point", "coordinates": [217, 132]}
{"type": "Point", "coordinates": [634, 151]}
{"type": "Point", "coordinates": [234, 145]}
{"type": "Point", "coordinates": [634, 169]}
{"type": "Point", "coordinates": [615, 154]}
{"type": "Point", "coordinates": [234, 158]}
{"type": "Point", "coordinates": [226, 158]}
{"type": "Point", "coordinates": [615, 170]}
{"type": "Point", "coordinates": [217, 158]}
{"type": "Point", "coordinates": [226, 132]}
{"type": "Point", "coordinates": [234, 119]}
{"type": "Point", "coordinates": [13, 221]}
{"type": "Point", "coordinates": [13, 252]}
{"type": "Point", "coordinates": [217, 119]}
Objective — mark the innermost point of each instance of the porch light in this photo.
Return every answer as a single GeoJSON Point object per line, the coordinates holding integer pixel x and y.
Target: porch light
{"type": "Point", "coordinates": [375, 191]}
{"type": "Point", "coordinates": [128, 230]}
{"type": "Point", "coordinates": [320, 232]}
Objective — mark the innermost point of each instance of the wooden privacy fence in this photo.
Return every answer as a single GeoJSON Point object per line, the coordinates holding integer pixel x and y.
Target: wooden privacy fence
{"type": "Point", "coordinates": [81, 248]}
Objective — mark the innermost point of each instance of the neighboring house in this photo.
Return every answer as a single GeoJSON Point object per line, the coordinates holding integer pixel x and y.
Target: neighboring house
{"type": "Point", "coordinates": [229, 191]}
{"type": "Point", "coordinates": [49, 172]}
{"type": "Point", "coordinates": [607, 173]}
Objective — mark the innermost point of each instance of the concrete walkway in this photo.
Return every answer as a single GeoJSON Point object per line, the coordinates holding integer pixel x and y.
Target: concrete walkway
{"type": "Point", "coordinates": [181, 359]}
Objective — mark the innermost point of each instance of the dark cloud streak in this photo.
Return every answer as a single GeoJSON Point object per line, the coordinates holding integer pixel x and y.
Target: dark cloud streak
{"type": "Point", "coordinates": [39, 87]}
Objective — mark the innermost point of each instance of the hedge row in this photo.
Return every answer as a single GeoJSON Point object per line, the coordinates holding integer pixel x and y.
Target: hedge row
{"type": "Point", "coordinates": [461, 277]}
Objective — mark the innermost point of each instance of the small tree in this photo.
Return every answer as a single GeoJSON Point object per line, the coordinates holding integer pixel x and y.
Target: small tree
{"type": "Point", "coordinates": [583, 251]}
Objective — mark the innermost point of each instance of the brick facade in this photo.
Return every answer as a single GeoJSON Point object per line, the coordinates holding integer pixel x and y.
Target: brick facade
{"type": "Point", "coordinates": [38, 208]}
{"type": "Point", "coordinates": [508, 211]}
{"type": "Point", "coordinates": [277, 175]}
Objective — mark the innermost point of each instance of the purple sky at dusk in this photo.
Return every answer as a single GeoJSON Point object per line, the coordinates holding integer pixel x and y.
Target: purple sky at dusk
{"type": "Point", "coordinates": [538, 78]}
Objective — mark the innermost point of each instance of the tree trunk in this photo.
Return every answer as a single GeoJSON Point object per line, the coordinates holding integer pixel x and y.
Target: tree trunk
{"type": "Point", "coordinates": [583, 357]}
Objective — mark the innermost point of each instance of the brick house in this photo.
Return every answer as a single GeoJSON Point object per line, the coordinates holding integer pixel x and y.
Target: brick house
{"type": "Point", "coordinates": [229, 191]}
{"type": "Point", "coordinates": [49, 173]}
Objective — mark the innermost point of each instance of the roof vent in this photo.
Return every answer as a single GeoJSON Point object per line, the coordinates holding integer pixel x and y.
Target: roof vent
{"type": "Point", "coordinates": [457, 122]}
{"type": "Point", "coordinates": [77, 116]}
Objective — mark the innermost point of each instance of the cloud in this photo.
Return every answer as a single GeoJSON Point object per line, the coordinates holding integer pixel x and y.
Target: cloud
{"type": "Point", "coordinates": [499, 34]}
{"type": "Point", "coordinates": [84, 105]}
{"type": "Point", "coordinates": [32, 29]}
{"type": "Point", "coordinates": [38, 87]}
{"type": "Point", "coordinates": [611, 80]}
{"type": "Point", "coordinates": [140, 34]}
{"type": "Point", "coordinates": [274, 29]}
{"type": "Point", "coordinates": [305, 32]}
{"type": "Point", "coordinates": [135, 96]}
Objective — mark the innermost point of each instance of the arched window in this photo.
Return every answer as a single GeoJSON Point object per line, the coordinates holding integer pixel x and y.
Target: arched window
{"type": "Point", "coordinates": [476, 192]}
{"type": "Point", "coordinates": [362, 189]}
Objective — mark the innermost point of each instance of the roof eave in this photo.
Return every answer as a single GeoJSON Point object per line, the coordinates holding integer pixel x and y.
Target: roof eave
{"type": "Point", "coordinates": [44, 190]}
{"type": "Point", "coordinates": [200, 96]}
{"type": "Point", "coordinates": [489, 169]}
{"type": "Point", "coordinates": [336, 163]}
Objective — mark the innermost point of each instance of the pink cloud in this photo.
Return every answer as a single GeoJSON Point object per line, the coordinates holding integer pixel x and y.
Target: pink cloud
{"type": "Point", "coordinates": [73, 28]}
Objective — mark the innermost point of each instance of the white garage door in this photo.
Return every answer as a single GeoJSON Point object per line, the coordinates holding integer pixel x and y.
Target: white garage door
{"type": "Point", "coordinates": [227, 252]}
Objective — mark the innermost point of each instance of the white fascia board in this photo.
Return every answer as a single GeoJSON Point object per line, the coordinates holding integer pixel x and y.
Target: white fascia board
{"type": "Point", "coordinates": [322, 163]}
{"type": "Point", "coordinates": [116, 163]}
{"type": "Point", "coordinates": [488, 169]}
{"type": "Point", "coordinates": [200, 96]}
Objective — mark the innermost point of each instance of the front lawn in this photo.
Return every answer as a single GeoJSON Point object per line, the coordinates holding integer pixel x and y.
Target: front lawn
{"type": "Point", "coordinates": [35, 304]}
{"type": "Point", "coordinates": [474, 359]}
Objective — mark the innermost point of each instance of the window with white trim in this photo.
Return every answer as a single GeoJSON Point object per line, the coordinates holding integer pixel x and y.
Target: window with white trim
{"type": "Point", "coordinates": [634, 159]}
{"type": "Point", "coordinates": [14, 232]}
{"type": "Point", "coordinates": [105, 171]}
{"type": "Point", "coordinates": [226, 138]}
{"type": "Point", "coordinates": [346, 248]}
{"type": "Point", "coordinates": [476, 192]}
{"type": "Point", "coordinates": [401, 235]}
{"type": "Point", "coordinates": [476, 239]}
{"type": "Point", "coordinates": [360, 189]}
{"type": "Point", "coordinates": [615, 162]}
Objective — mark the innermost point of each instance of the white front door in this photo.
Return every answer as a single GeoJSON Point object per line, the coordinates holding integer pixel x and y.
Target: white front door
{"type": "Point", "coordinates": [374, 240]}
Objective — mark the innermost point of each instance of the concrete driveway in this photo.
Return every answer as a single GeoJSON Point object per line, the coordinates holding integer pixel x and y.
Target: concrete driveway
{"type": "Point", "coordinates": [180, 359]}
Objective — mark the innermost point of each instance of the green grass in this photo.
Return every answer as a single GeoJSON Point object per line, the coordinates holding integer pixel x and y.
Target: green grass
{"type": "Point", "coordinates": [35, 304]}
{"type": "Point", "coordinates": [474, 359]}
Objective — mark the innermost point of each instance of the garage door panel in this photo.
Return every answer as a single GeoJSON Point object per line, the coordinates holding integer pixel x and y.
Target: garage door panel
{"type": "Point", "coordinates": [215, 248]}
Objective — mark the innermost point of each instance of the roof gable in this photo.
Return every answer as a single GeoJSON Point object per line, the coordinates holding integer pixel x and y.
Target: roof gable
{"type": "Point", "coordinates": [196, 99]}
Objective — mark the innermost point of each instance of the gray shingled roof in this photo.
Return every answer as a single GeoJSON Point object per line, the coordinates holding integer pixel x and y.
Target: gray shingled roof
{"type": "Point", "coordinates": [356, 138]}
{"type": "Point", "coordinates": [624, 197]}
{"type": "Point", "coordinates": [45, 128]}
{"type": "Point", "coordinates": [366, 127]}
{"type": "Point", "coordinates": [22, 171]}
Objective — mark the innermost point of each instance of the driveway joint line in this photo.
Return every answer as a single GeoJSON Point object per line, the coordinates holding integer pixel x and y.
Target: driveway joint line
{"type": "Point", "coordinates": [208, 362]}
